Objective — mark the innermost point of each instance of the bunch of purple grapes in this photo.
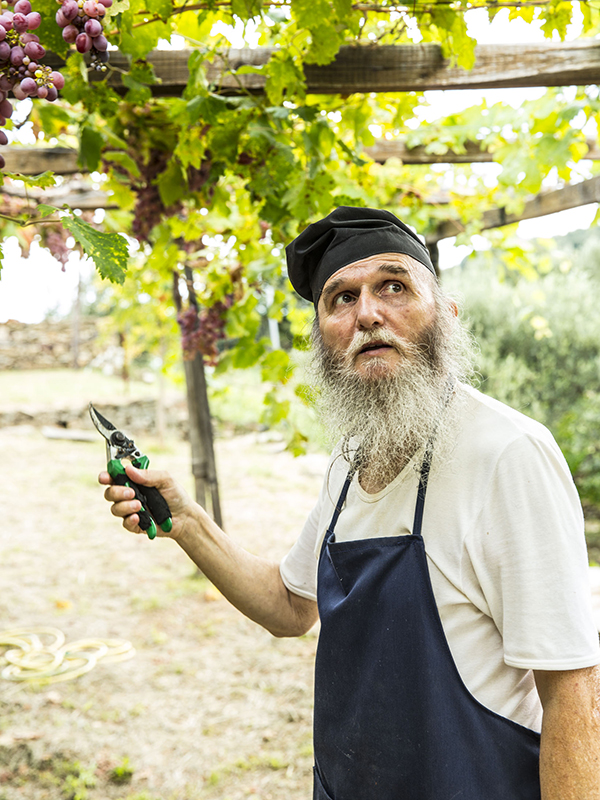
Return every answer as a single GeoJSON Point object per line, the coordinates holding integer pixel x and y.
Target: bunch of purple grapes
{"type": "Point", "coordinates": [200, 332]}
{"type": "Point", "coordinates": [81, 21]}
{"type": "Point", "coordinates": [149, 207]}
{"type": "Point", "coordinates": [20, 54]}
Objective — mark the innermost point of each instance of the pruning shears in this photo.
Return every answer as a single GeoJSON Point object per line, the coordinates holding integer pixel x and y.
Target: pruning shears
{"type": "Point", "coordinates": [155, 510]}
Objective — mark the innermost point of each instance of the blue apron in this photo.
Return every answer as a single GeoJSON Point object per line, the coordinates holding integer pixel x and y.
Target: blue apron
{"type": "Point", "coordinates": [393, 718]}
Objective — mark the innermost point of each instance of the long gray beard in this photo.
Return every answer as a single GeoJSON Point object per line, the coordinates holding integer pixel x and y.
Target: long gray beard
{"type": "Point", "coordinates": [385, 418]}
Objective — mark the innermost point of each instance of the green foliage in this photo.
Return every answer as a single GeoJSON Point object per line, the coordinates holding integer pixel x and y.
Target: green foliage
{"type": "Point", "coordinates": [49, 32]}
{"type": "Point", "coordinates": [90, 148]}
{"type": "Point", "coordinates": [108, 251]}
{"type": "Point", "coordinates": [540, 350]}
{"type": "Point", "coordinates": [42, 181]}
{"type": "Point", "coordinates": [122, 773]}
{"type": "Point", "coordinates": [76, 780]}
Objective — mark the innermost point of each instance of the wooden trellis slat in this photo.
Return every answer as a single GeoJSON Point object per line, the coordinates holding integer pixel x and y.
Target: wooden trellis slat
{"type": "Point", "coordinates": [80, 196]}
{"type": "Point", "coordinates": [35, 160]}
{"type": "Point", "coordinates": [387, 68]}
{"type": "Point", "coordinates": [395, 148]}
{"type": "Point", "coordinates": [63, 160]}
{"type": "Point", "coordinates": [571, 196]}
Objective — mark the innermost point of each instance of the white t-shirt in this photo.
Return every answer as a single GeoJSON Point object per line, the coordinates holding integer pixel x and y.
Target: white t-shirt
{"type": "Point", "coordinates": [503, 533]}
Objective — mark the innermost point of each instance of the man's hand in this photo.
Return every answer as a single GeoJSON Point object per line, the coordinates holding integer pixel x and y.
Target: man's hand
{"type": "Point", "coordinates": [183, 510]}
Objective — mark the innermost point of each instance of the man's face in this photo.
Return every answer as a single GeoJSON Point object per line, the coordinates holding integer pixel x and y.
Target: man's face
{"type": "Point", "coordinates": [367, 306]}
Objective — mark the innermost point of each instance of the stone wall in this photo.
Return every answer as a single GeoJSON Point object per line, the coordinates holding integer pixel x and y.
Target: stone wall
{"type": "Point", "coordinates": [137, 416]}
{"type": "Point", "coordinates": [47, 345]}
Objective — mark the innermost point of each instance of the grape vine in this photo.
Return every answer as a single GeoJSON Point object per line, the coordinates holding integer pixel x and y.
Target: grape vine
{"type": "Point", "coordinates": [149, 207]}
{"type": "Point", "coordinates": [20, 69]}
{"type": "Point", "coordinates": [201, 330]}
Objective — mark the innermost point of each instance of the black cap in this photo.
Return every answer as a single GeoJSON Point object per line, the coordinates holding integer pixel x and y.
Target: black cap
{"type": "Point", "coordinates": [347, 235]}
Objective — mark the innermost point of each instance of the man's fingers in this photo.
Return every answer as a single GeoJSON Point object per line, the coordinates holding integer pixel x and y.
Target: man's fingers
{"type": "Point", "coordinates": [116, 493]}
{"type": "Point", "coordinates": [125, 508]}
{"type": "Point", "coordinates": [148, 477]}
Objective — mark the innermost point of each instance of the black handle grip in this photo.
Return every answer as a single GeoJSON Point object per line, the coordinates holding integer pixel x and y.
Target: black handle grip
{"type": "Point", "coordinates": [155, 503]}
{"type": "Point", "coordinates": [151, 499]}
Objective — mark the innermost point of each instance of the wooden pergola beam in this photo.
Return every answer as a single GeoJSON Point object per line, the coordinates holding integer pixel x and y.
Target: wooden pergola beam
{"type": "Point", "coordinates": [570, 196]}
{"type": "Point", "coordinates": [35, 160]}
{"type": "Point", "coordinates": [385, 68]}
{"type": "Point", "coordinates": [472, 154]}
{"type": "Point", "coordinates": [63, 160]}
{"type": "Point", "coordinates": [80, 196]}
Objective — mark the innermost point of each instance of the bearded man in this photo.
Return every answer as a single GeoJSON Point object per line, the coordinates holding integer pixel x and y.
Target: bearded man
{"type": "Point", "coordinates": [445, 557]}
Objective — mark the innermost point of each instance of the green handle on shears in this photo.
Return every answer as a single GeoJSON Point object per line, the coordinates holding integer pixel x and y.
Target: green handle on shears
{"type": "Point", "coordinates": [153, 503]}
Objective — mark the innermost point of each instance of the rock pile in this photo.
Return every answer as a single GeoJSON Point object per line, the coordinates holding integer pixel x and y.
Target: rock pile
{"type": "Point", "coordinates": [47, 345]}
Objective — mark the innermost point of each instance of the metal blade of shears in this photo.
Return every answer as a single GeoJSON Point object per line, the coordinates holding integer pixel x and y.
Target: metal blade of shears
{"type": "Point", "coordinates": [104, 427]}
{"type": "Point", "coordinates": [102, 424]}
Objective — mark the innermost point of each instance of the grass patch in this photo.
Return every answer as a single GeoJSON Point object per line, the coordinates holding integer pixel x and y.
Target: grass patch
{"type": "Point", "coordinates": [75, 387]}
{"type": "Point", "coordinates": [253, 763]}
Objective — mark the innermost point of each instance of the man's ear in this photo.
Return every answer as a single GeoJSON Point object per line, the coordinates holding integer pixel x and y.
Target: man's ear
{"type": "Point", "coordinates": [453, 307]}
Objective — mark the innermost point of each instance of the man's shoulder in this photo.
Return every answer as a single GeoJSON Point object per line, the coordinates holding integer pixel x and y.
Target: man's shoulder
{"type": "Point", "coordinates": [482, 409]}
{"type": "Point", "coordinates": [501, 446]}
{"type": "Point", "coordinates": [490, 425]}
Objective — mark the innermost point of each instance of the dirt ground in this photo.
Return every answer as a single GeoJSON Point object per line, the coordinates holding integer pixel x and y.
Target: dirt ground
{"type": "Point", "coordinates": [211, 705]}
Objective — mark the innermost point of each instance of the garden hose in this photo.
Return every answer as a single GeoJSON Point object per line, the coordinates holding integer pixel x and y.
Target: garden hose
{"type": "Point", "coordinates": [41, 655]}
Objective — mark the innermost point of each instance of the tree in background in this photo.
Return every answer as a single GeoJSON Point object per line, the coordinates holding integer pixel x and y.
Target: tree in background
{"type": "Point", "coordinates": [539, 339]}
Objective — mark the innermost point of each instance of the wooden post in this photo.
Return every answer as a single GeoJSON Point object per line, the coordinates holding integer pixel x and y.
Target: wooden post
{"type": "Point", "coordinates": [204, 467]}
{"type": "Point", "coordinates": [201, 439]}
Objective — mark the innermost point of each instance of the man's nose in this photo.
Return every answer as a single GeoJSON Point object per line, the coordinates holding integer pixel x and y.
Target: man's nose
{"type": "Point", "coordinates": [368, 311]}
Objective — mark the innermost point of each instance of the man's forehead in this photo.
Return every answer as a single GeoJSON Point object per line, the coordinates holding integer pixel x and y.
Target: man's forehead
{"type": "Point", "coordinates": [397, 263]}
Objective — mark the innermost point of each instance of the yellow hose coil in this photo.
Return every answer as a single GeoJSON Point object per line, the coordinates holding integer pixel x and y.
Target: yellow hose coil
{"type": "Point", "coordinates": [40, 655]}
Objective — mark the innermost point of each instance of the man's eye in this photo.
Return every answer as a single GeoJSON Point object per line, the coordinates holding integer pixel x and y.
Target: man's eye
{"type": "Point", "coordinates": [395, 287]}
{"type": "Point", "coordinates": [343, 299]}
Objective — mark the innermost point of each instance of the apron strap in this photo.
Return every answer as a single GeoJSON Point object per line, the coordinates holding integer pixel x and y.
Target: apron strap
{"type": "Point", "coordinates": [339, 505]}
{"type": "Point", "coordinates": [420, 505]}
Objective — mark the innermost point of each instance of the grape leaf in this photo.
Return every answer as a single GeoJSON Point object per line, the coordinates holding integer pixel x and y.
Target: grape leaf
{"type": "Point", "coordinates": [276, 410]}
{"type": "Point", "coordinates": [42, 181]}
{"type": "Point", "coordinates": [296, 444]}
{"type": "Point", "coordinates": [246, 9]}
{"type": "Point", "coordinates": [138, 93]}
{"type": "Point", "coordinates": [119, 7]}
{"type": "Point", "coordinates": [139, 40]}
{"type": "Point", "coordinates": [276, 367]}
{"type": "Point", "coordinates": [49, 32]}
{"type": "Point", "coordinates": [108, 251]}
{"type": "Point", "coordinates": [90, 148]}
{"type": "Point", "coordinates": [42, 210]}
{"type": "Point", "coordinates": [124, 159]}
{"type": "Point", "coordinates": [172, 184]}
{"type": "Point", "coordinates": [164, 8]}
{"type": "Point", "coordinates": [283, 78]}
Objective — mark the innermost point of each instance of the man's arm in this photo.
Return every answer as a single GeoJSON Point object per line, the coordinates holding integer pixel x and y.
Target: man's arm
{"type": "Point", "coordinates": [251, 584]}
{"type": "Point", "coordinates": [570, 745]}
